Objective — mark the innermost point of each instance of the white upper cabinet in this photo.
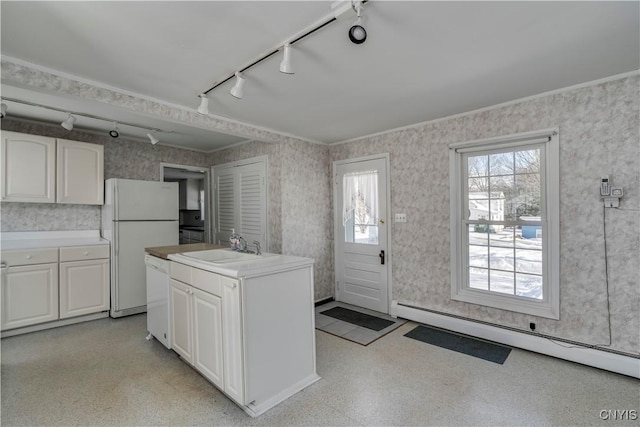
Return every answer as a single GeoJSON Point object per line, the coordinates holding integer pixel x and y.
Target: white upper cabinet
{"type": "Point", "coordinates": [80, 173]}
{"type": "Point", "coordinates": [28, 168]}
{"type": "Point", "coordinates": [40, 169]}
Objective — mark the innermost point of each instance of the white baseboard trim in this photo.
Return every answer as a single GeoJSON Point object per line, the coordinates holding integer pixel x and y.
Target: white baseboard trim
{"type": "Point", "coordinates": [617, 363]}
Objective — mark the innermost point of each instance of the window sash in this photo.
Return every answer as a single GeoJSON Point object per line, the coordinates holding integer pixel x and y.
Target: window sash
{"type": "Point", "coordinates": [548, 306]}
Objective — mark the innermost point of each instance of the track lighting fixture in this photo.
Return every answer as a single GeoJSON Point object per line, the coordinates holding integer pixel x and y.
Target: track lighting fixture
{"type": "Point", "coordinates": [153, 139]}
{"type": "Point", "coordinates": [339, 10]}
{"type": "Point", "coordinates": [114, 133]}
{"type": "Point", "coordinates": [285, 65]}
{"type": "Point", "coordinates": [204, 104]}
{"type": "Point", "coordinates": [237, 90]}
{"type": "Point", "coordinates": [69, 122]}
{"type": "Point", "coordinates": [357, 33]}
{"type": "Point", "coordinates": [71, 119]}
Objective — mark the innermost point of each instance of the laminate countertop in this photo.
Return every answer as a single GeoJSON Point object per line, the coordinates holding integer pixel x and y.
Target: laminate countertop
{"type": "Point", "coordinates": [164, 251]}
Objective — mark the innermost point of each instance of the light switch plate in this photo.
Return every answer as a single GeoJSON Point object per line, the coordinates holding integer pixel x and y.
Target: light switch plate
{"type": "Point", "coordinates": [400, 217]}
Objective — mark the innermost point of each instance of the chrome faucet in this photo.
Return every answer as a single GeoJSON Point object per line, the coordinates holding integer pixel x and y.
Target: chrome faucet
{"type": "Point", "coordinates": [258, 251]}
{"type": "Point", "coordinates": [243, 244]}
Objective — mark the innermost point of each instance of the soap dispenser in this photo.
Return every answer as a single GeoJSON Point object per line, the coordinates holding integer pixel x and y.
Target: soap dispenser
{"type": "Point", "coordinates": [234, 240]}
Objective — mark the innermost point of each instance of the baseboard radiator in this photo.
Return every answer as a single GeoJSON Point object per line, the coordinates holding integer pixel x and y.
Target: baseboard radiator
{"type": "Point", "coordinates": [598, 357]}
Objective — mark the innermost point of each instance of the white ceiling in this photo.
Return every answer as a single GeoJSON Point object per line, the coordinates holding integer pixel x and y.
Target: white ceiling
{"type": "Point", "coordinates": [421, 61]}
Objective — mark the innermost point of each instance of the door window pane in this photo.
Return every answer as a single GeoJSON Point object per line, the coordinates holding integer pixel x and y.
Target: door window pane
{"type": "Point", "coordinates": [360, 202]}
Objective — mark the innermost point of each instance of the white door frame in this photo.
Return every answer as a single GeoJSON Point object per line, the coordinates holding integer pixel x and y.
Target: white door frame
{"type": "Point", "coordinates": [208, 207]}
{"type": "Point", "coordinates": [337, 219]}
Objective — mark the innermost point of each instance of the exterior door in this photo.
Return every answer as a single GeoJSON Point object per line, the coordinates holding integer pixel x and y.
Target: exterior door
{"type": "Point", "coordinates": [362, 252]}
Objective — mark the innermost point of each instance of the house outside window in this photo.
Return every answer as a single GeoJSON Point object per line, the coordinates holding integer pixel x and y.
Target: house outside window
{"type": "Point", "coordinates": [504, 223]}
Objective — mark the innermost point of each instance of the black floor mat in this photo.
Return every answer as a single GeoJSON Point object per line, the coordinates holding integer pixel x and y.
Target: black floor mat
{"type": "Point", "coordinates": [462, 344]}
{"type": "Point", "coordinates": [365, 320]}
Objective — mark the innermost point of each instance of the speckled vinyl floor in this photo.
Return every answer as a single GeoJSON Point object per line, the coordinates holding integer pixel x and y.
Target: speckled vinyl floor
{"type": "Point", "coordinates": [105, 373]}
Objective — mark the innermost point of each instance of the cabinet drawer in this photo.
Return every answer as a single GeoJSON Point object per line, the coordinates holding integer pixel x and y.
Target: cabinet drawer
{"type": "Point", "coordinates": [181, 272]}
{"type": "Point", "coordinates": [206, 281]}
{"type": "Point", "coordinates": [29, 256]}
{"type": "Point", "coordinates": [79, 253]}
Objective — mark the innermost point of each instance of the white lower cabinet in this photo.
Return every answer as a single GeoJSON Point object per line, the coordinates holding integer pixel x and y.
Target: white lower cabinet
{"type": "Point", "coordinates": [29, 295]}
{"type": "Point", "coordinates": [207, 336]}
{"type": "Point", "coordinates": [49, 284]}
{"type": "Point", "coordinates": [196, 329]}
{"type": "Point", "coordinates": [251, 335]}
{"type": "Point", "coordinates": [84, 287]}
{"type": "Point", "coordinates": [181, 320]}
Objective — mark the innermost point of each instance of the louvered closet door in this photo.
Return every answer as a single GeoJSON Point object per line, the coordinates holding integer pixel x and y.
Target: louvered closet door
{"type": "Point", "coordinates": [241, 202]}
{"type": "Point", "coordinates": [251, 200]}
{"type": "Point", "coordinates": [224, 201]}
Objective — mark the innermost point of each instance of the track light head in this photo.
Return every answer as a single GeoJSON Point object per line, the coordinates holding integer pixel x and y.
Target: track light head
{"type": "Point", "coordinates": [68, 123]}
{"type": "Point", "coordinates": [357, 33]}
{"type": "Point", "coordinates": [204, 104]}
{"type": "Point", "coordinates": [237, 89]}
{"type": "Point", "coordinates": [153, 139]}
{"type": "Point", "coordinates": [114, 133]}
{"type": "Point", "coordinates": [285, 65]}
{"type": "Point", "coordinates": [3, 110]}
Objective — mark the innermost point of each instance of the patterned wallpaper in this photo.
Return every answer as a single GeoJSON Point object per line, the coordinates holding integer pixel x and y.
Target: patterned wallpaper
{"type": "Point", "coordinates": [307, 225]}
{"type": "Point", "coordinates": [599, 134]}
{"type": "Point", "coordinates": [122, 159]}
{"type": "Point", "coordinates": [22, 75]}
{"type": "Point", "coordinates": [299, 202]}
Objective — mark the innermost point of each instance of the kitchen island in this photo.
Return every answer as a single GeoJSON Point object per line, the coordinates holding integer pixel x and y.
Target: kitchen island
{"type": "Point", "coordinates": [245, 322]}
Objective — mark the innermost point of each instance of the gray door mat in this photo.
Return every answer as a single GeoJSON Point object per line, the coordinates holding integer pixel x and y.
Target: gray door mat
{"type": "Point", "coordinates": [350, 331]}
{"type": "Point", "coordinates": [461, 343]}
{"type": "Point", "coordinates": [361, 319]}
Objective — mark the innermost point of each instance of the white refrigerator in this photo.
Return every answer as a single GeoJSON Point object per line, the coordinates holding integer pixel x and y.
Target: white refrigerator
{"type": "Point", "coordinates": [136, 215]}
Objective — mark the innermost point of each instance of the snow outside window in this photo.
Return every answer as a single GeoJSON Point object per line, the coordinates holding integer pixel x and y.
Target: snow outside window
{"type": "Point", "coordinates": [505, 223]}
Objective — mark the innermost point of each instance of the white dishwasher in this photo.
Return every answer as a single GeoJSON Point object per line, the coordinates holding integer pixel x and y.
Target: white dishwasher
{"type": "Point", "coordinates": [158, 299]}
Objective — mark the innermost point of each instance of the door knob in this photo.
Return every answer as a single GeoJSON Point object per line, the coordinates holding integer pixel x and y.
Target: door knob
{"type": "Point", "coordinates": [381, 257]}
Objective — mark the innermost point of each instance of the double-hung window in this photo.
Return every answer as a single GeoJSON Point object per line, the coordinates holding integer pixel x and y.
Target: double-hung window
{"type": "Point", "coordinates": [504, 223]}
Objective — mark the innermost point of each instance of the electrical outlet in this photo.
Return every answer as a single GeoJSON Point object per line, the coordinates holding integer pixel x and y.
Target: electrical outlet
{"type": "Point", "coordinates": [400, 217]}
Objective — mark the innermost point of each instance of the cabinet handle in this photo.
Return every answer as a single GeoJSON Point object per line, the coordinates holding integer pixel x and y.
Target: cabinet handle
{"type": "Point", "coordinates": [231, 285]}
{"type": "Point", "coordinates": [86, 253]}
{"type": "Point", "coordinates": [28, 256]}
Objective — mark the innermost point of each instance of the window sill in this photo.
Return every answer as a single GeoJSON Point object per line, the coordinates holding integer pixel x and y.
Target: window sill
{"type": "Point", "coordinates": [507, 302]}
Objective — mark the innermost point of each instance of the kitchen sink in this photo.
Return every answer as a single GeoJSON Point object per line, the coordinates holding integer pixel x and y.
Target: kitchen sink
{"type": "Point", "coordinates": [223, 256]}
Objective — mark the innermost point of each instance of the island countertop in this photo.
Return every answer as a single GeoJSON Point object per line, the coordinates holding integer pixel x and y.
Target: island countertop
{"type": "Point", "coordinates": [261, 265]}
{"type": "Point", "coordinates": [164, 251]}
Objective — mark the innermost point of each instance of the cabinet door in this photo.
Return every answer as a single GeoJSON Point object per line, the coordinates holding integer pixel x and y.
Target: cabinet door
{"type": "Point", "coordinates": [232, 339]}
{"type": "Point", "coordinates": [29, 295]}
{"type": "Point", "coordinates": [181, 325]}
{"type": "Point", "coordinates": [80, 173]}
{"type": "Point", "coordinates": [28, 168]}
{"type": "Point", "coordinates": [207, 335]}
{"type": "Point", "coordinates": [84, 287]}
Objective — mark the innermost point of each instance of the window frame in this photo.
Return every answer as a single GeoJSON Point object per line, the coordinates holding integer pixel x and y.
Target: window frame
{"type": "Point", "coordinates": [548, 141]}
